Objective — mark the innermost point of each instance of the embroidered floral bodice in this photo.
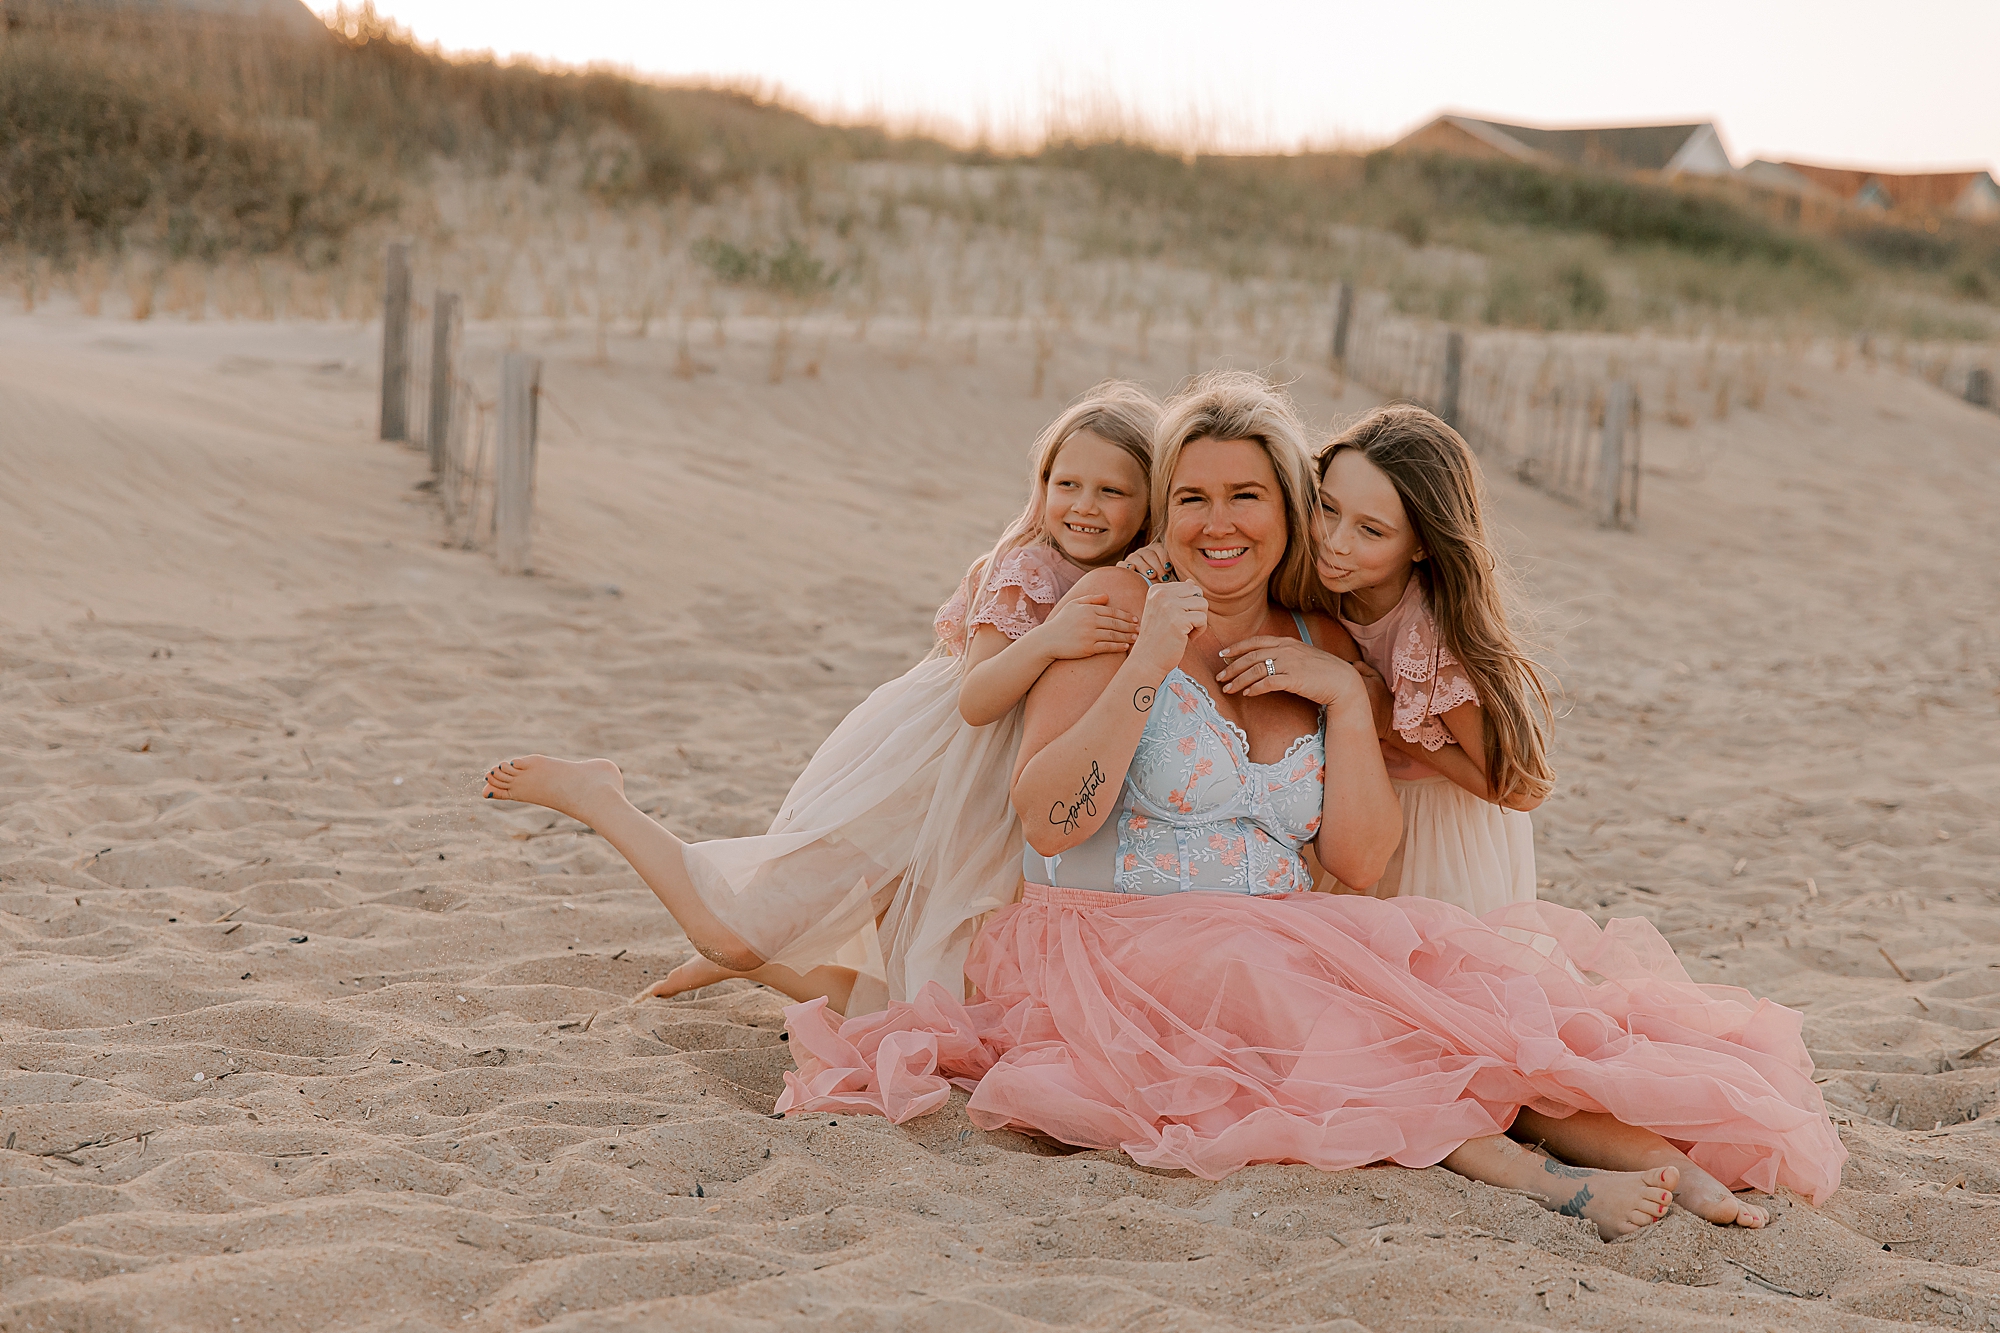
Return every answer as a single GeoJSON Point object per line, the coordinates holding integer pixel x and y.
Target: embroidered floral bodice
{"type": "Point", "coordinates": [1195, 812]}
{"type": "Point", "coordinates": [1025, 586]}
{"type": "Point", "coordinates": [1423, 676]}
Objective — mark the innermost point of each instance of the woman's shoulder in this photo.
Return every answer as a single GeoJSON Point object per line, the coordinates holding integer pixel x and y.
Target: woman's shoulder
{"type": "Point", "coordinates": [1327, 634]}
{"type": "Point", "coordinates": [1126, 588]}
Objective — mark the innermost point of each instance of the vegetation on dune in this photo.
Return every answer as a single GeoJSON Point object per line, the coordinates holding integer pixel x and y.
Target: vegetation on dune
{"type": "Point", "coordinates": [205, 139]}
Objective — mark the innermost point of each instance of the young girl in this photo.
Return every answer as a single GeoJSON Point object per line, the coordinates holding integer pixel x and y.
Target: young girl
{"type": "Point", "coordinates": [1403, 545]}
{"type": "Point", "coordinates": [899, 836]}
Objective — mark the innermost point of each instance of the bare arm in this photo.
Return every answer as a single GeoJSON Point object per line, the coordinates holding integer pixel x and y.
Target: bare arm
{"type": "Point", "coordinates": [1360, 819]}
{"type": "Point", "coordinates": [1467, 768]}
{"type": "Point", "coordinates": [1004, 669]}
{"type": "Point", "coordinates": [1085, 716]}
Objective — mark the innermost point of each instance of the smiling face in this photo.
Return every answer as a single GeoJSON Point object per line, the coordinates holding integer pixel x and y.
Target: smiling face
{"type": "Point", "coordinates": [1366, 541]}
{"type": "Point", "coordinates": [1226, 517]}
{"type": "Point", "coordinates": [1095, 501]}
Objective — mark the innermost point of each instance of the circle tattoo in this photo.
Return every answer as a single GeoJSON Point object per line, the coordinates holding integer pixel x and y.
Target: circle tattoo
{"type": "Point", "coordinates": [1142, 698]}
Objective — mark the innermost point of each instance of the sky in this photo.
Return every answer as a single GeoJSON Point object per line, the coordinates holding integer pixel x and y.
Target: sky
{"type": "Point", "coordinates": [1898, 86]}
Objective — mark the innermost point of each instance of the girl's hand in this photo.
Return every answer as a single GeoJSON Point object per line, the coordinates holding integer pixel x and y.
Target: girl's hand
{"type": "Point", "coordinates": [1266, 663]}
{"type": "Point", "coordinates": [1085, 627]}
{"type": "Point", "coordinates": [1174, 612]}
{"type": "Point", "coordinates": [1381, 700]}
{"type": "Point", "coordinates": [1150, 562]}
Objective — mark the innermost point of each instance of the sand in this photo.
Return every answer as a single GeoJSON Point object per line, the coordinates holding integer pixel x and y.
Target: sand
{"type": "Point", "coordinates": [298, 1034]}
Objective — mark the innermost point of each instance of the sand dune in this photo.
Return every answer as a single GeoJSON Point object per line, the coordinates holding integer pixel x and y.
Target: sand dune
{"type": "Point", "coordinates": [296, 1034]}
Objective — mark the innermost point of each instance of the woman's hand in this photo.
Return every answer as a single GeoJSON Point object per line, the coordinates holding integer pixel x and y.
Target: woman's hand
{"type": "Point", "coordinates": [1150, 562]}
{"type": "Point", "coordinates": [1085, 627]}
{"type": "Point", "coordinates": [1174, 612]}
{"type": "Point", "coordinates": [1268, 662]}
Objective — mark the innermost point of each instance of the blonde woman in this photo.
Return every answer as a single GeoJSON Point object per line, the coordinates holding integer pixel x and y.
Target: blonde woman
{"type": "Point", "coordinates": [1165, 987]}
{"type": "Point", "coordinates": [898, 837]}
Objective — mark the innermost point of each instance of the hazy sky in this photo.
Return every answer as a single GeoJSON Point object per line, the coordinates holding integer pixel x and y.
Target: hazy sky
{"type": "Point", "coordinates": [1897, 85]}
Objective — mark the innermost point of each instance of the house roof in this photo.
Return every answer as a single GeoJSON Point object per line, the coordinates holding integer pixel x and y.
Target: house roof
{"type": "Point", "coordinates": [1626, 147]}
{"type": "Point", "coordinates": [1919, 191]}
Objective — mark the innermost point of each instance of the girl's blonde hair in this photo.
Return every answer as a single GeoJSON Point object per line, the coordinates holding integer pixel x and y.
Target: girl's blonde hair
{"type": "Point", "coordinates": [1118, 412]}
{"type": "Point", "coordinates": [1237, 405]}
{"type": "Point", "coordinates": [1438, 481]}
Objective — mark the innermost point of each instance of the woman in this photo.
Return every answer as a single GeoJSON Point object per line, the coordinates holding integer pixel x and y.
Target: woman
{"type": "Point", "coordinates": [1165, 989]}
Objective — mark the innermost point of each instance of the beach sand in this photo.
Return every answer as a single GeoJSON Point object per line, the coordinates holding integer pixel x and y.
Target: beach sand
{"type": "Point", "coordinates": [297, 1033]}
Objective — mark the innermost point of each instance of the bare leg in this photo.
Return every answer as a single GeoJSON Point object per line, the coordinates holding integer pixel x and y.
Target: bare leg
{"type": "Point", "coordinates": [834, 984]}
{"type": "Point", "coordinates": [1587, 1137]}
{"type": "Point", "coordinates": [1619, 1202]}
{"type": "Point", "coordinates": [593, 792]}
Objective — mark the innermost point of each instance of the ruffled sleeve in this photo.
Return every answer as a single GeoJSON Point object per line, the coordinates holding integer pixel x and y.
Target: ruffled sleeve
{"type": "Point", "coordinates": [1024, 587]}
{"type": "Point", "coordinates": [1426, 680]}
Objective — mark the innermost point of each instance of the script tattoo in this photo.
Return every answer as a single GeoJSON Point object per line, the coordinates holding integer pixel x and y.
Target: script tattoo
{"type": "Point", "coordinates": [1067, 816]}
{"type": "Point", "coordinates": [1142, 698]}
{"type": "Point", "coordinates": [1574, 1208]}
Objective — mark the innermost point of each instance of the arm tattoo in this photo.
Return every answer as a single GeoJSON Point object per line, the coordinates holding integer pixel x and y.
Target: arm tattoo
{"type": "Point", "coordinates": [1068, 815]}
{"type": "Point", "coordinates": [1142, 698]}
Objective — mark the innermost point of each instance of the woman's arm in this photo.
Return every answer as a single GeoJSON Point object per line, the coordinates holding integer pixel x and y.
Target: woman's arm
{"type": "Point", "coordinates": [1360, 819]}
{"type": "Point", "coordinates": [1002, 670]}
{"type": "Point", "coordinates": [1085, 716]}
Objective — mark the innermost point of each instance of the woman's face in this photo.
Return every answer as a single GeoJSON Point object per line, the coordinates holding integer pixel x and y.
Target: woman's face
{"type": "Point", "coordinates": [1225, 517]}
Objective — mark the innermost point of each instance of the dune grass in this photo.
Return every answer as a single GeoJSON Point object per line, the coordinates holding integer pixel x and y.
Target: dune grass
{"type": "Point", "coordinates": [208, 141]}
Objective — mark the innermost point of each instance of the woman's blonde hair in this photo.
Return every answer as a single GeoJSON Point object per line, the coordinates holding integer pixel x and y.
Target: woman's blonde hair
{"type": "Point", "coordinates": [1237, 405]}
{"type": "Point", "coordinates": [1118, 412]}
{"type": "Point", "coordinates": [1464, 583]}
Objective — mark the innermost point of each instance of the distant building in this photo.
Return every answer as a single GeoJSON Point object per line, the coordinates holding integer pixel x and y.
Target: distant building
{"type": "Point", "coordinates": [1665, 150]}
{"type": "Point", "coordinates": [1960, 194]}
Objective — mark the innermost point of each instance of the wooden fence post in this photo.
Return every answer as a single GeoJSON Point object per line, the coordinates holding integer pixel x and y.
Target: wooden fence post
{"type": "Point", "coordinates": [514, 461]}
{"type": "Point", "coordinates": [437, 433]}
{"type": "Point", "coordinates": [395, 346]}
{"type": "Point", "coordinates": [1612, 508]}
{"type": "Point", "coordinates": [1343, 321]}
{"type": "Point", "coordinates": [1979, 387]}
{"type": "Point", "coordinates": [1454, 370]}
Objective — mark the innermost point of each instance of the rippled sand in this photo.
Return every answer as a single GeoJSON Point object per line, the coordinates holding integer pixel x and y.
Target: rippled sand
{"type": "Point", "coordinates": [297, 1034]}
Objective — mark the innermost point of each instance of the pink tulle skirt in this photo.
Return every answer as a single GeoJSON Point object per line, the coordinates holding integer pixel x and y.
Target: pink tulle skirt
{"type": "Point", "coordinates": [1210, 1031]}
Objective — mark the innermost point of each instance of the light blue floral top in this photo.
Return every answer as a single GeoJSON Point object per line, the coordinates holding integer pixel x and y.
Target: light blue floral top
{"type": "Point", "coordinates": [1194, 811]}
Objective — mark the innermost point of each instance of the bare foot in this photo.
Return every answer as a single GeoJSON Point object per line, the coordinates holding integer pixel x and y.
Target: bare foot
{"type": "Point", "coordinates": [567, 786]}
{"type": "Point", "coordinates": [1619, 1202]}
{"type": "Point", "coordinates": [1703, 1195]}
{"type": "Point", "coordinates": [695, 973]}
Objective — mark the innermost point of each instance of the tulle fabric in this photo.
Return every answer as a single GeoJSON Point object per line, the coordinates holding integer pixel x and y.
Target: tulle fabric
{"type": "Point", "coordinates": [1209, 1031]}
{"type": "Point", "coordinates": [901, 814]}
{"type": "Point", "coordinates": [1459, 849]}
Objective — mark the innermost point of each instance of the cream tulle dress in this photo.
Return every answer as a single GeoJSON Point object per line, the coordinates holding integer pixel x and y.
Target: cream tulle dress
{"type": "Point", "coordinates": [1456, 848]}
{"type": "Point", "coordinates": [899, 838]}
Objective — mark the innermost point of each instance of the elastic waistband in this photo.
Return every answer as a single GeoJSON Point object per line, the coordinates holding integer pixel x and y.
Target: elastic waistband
{"type": "Point", "coordinates": [1042, 895]}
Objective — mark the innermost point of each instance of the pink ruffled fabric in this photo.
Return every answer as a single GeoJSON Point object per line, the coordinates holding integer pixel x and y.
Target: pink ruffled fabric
{"type": "Point", "coordinates": [1210, 1031]}
{"type": "Point", "coordinates": [1025, 585]}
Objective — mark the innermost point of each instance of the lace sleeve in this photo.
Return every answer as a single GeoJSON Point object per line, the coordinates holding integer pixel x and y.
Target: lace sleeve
{"type": "Point", "coordinates": [1428, 680]}
{"type": "Point", "coordinates": [1019, 595]}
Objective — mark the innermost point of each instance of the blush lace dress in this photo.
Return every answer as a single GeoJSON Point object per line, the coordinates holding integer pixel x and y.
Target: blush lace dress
{"type": "Point", "coordinates": [1162, 991]}
{"type": "Point", "coordinates": [1456, 848]}
{"type": "Point", "coordinates": [899, 835]}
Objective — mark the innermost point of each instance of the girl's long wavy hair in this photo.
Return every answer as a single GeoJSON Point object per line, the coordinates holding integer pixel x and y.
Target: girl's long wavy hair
{"type": "Point", "coordinates": [1468, 589]}
{"type": "Point", "coordinates": [1118, 412]}
{"type": "Point", "coordinates": [1237, 405]}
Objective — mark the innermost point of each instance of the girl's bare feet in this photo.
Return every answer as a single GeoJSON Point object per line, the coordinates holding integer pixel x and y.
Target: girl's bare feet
{"type": "Point", "coordinates": [695, 973]}
{"type": "Point", "coordinates": [567, 786]}
{"type": "Point", "coordinates": [1619, 1202]}
{"type": "Point", "coordinates": [1704, 1196]}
